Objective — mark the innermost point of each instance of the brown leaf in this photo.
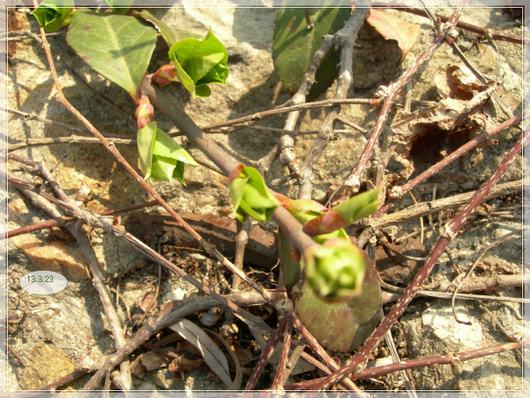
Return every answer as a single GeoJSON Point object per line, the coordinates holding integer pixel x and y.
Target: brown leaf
{"type": "Point", "coordinates": [146, 301]}
{"type": "Point", "coordinates": [397, 264]}
{"type": "Point", "coordinates": [182, 364]}
{"type": "Point", "coordinates": [394, 28]}
{"type": "Point", "coordinates": [152, 360]}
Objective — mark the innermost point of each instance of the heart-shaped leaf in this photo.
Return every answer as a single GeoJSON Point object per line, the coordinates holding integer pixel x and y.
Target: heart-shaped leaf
{"type": "Point", "coordinates": [294, 44]}
{"type": "Point", "coordinates": [118, 47]}
{"type": "Point", "coordinates": [52, 15]}
{"type": "Point", "coordinates": [120, 6]}
{"type": "Point", "coordinates": [161, 158]}
{"type": "Point", "coordinates": [165, 31]}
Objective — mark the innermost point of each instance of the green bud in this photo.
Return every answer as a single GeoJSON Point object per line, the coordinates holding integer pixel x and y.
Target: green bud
{"type": "Point", "coordinates": [52, 15]}
{"type": "Point", "coordinates": [335, 269]}
{"type": "Point", "coordinates": [359, 206]}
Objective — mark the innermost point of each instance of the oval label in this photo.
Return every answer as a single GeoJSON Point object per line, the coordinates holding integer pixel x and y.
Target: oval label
{"type": "Point", "coordinates": [43, 282]}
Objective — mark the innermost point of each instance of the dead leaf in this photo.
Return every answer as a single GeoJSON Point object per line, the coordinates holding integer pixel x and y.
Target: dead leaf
{"type": "Point", "coordinates": [181, 364]}
{"type": "Point", "coordinates": [398, 264]}
{"type": "Point", "coordinates": [212, 355]}
{"type": "Point", "coordinates": [236, 384]}
{"type": "Point", "coordinates": [146, 302]}
{"type": "Point", "coordinates": [432, 133]}
{"type": "Point", "coordinates": [393, 28]}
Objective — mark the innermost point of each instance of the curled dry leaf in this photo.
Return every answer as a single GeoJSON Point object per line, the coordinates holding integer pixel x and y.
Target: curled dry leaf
{"type": "Point", "coordinates": [393, 28]}
{"type": "Point", "coordinates": [236, 384]}
{"type": "Point", "coordinates": [212, 355]}
{"type": "Point", "coordinates": [464, 111]}
{"type": "Point", "coordinates": [146, 362]}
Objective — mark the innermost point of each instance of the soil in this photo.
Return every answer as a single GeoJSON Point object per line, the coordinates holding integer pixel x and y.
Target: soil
{"type": "Point", "coordinates": [69, 326]}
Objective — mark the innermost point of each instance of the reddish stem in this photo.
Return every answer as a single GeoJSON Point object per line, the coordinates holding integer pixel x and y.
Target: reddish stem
{"type": "Point", "coordinates": [416, 363]}
{"type": "Point", "coordinates": [265, 356]}
{"type": "Point", "coordinates": [399, 191]}
{"type": "Point", "coordinates": [450, 231]}
{"type": "Point", "coordinates": [354, 179]}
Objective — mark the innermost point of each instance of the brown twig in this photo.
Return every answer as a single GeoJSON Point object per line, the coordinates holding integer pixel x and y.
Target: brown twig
{"type": "Point", "coordinates": [64, 220]}
{"type": "Point", "coordinates": [346, 38]}
{"type": "Point", "coordinates": [241, 241]}
{"type": "Point", "coordinates": [266, 356]}
{"type": "Point", "coordinates": [490, 34]}
{"type": "Point", "coordinates": [426, 208]}
{"type": "Point", "coordinates": [279, 377]}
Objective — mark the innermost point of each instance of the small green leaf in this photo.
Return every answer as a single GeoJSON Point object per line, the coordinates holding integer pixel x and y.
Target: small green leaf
{"type": "Point", "coordinates": [340, 216]}
{"type": "Point", "coordinates": [335, 269]}
{"type": "Point", "coordinates": [294, 45]}
{"type": "Point", "coordinates": [120, 6]}
{"type": "Point", "coordinates": [161, 158]}
{"type": "Point", "coordinates": [119, 47]}
{"type": "Point", "coordinates": [167, 33]}
{"type": "Point", "coordinates": [250, 196]}
{"type": "Point", "coordinates": [52, 15]}
{"type": "Point", "coordinates": [199, 62]}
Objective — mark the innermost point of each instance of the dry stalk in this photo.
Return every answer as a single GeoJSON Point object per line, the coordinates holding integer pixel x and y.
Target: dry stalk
{"type": "Point", "coordinates": [346, 37]}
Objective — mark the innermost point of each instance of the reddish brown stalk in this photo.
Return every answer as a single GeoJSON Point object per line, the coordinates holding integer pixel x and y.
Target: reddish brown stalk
{"type": "Point", "coordinates": [266, 356]}
{"type": "Point", "coordinates": [448, 359]}
{"type": "Point", "coordinates": [398, 191]}
{"type": "Point", "coordinates": [59, 223]}
{"type": "Point", "coordinates": [277, 384]}
{"type": "Point", "coordinates": [451, 230]}
{"type": "Point", "coordinates": [490, 34]}
{"type": "Point", "coordinates": [353, 181]}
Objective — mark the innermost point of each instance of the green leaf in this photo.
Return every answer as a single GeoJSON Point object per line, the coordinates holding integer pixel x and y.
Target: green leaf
{"type": "Point", "coordinates": [119, 47]}
{"type": "Point", "coordinates": [251, 197]}
{"type": "Point", "coordinates": [294, 45]}
{"type": "Point", "coordinates": [161, 158]}
{"type": "Point", "coordinates": [52, 15]}
{"type": "Point", "coordinates": [340, 216]}
{"type": "Point", "coordinates": [120, 6]}
{"type": "Point", "coordinates": [359, 206]}
{"type": "Point", "coordinates": [199, 62]}
{"type": "Point", "coordinates": [167, 33]}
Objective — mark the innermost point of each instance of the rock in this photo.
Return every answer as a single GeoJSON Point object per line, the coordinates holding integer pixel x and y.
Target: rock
{"type": "Point", "coordinates": [53, 256]}
{"type": "Point", "coordinates": [40, 369]}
